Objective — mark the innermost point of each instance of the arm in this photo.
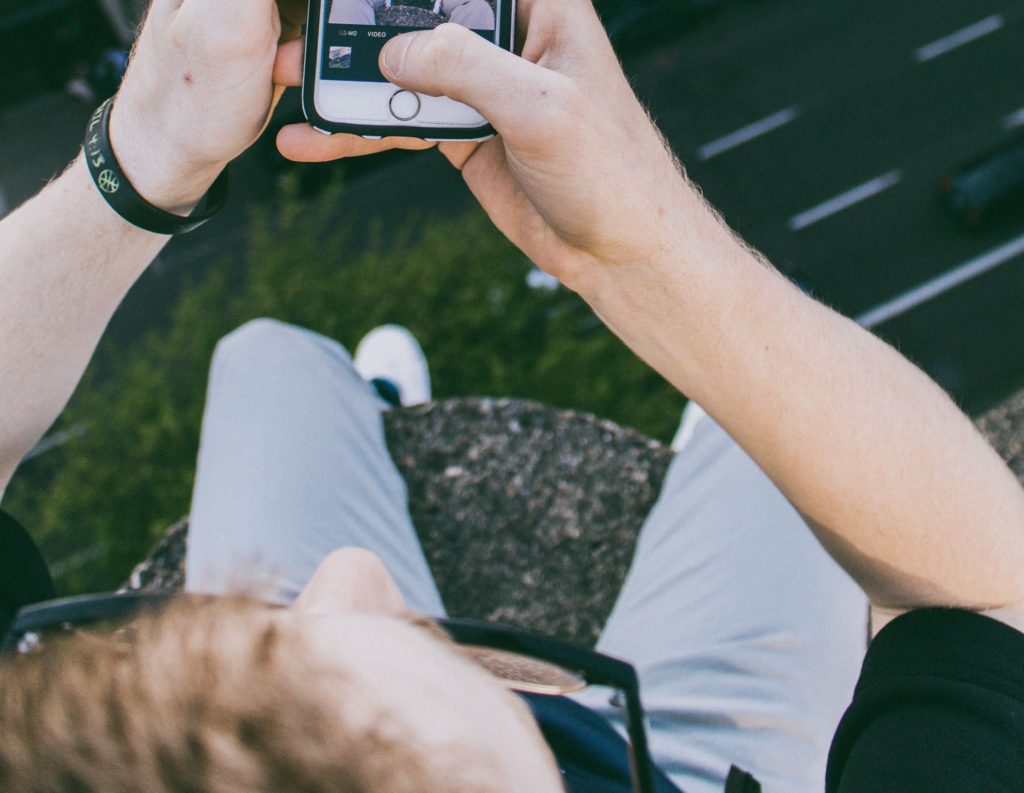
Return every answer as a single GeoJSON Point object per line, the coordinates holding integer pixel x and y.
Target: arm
{"type": "Point", "coordinates": [892, 477]}
{"type": "Point", "coordinates": [66, 259]}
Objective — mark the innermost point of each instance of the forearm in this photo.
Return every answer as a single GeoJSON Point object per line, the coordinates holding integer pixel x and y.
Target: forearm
{"type": "Point", "coordinates": [66, 261]}
{"type": "Point", "coordinates": [197, 93]}
{"type": "Point", "coordinates": [67, 258]}
{"type": "Point", "coordinates": [894, 479]}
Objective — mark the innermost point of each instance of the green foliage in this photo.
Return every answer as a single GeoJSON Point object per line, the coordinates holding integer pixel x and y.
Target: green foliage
{"type": "Point", "coordinates": [103, 500]}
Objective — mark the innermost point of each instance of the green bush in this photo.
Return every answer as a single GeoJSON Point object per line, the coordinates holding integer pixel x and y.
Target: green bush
{"type": "Point", "coordinates": [102, 501]}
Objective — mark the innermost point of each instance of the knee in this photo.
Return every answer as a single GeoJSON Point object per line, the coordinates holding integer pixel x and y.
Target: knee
{"type": "Point", "coordinates": [260, 340]}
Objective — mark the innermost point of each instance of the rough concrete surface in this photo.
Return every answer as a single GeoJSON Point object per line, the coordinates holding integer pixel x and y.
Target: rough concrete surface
{"type": "Point", "coordinates": [529, 515]}
{"type": "Point", "coordinates": [413, 14]}
{"type": "Point", "coordinates": [1004, 428]}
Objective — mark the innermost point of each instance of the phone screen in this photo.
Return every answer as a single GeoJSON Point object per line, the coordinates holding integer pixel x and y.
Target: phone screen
{"type": "Point", "coordinates": [355, 31]}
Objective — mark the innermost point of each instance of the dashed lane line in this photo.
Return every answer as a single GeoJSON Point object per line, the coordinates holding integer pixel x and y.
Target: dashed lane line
{"type": "Point", "coordinates": [1014, 120]}
{"type": "Point", "coordinates": [943, 283]}
{"type": "Point", "coordinates": [845, 200]}
{"type": "Point", "coordinates": [747, 133]}
{"type": "Point", "coordinates": [954, 40]}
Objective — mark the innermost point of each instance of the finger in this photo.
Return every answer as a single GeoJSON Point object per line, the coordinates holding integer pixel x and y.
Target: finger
{"type": "Point", "coordinates": [288, 64]}
{"type": "Point", "coordinates": [302, 143]}
{"type": "Point", "coordinates": [557, 17]}
{"type": "Point", "coordinates": [275, 100]}
{"type": "Point", "coordinates": [293, 15]}
{"type": "Point", "coordinates": [457, 153]}
{"type": "Point", "coordinates": [522, 21]}
{"type": "Point", "coordinates": [514, 95]}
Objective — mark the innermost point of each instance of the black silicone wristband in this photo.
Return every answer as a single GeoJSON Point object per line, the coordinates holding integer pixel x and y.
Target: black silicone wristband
{"type": "Point", "coordinates": [125, 200]}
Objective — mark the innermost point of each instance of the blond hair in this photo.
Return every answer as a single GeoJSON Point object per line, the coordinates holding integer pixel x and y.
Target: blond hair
{"type": "Point", "coordinates": [204, 699]}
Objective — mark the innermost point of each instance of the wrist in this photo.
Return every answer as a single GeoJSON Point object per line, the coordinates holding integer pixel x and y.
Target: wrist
{"type": "Point", "coordinates": [672, 253]}
{"type": "Point", "coordinates": [161, 172]}
{"type": "Point", "coordinates": [674, 305]}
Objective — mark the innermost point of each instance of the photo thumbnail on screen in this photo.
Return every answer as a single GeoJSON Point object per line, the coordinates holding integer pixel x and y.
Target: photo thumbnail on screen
{"type": "Point", "coordinates": [339, 58]}
{"type": "Point", "coordinates": [473, 14]}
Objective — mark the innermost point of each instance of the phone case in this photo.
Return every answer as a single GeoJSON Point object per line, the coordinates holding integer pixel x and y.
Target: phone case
{"type": "Point", "coordinates": [310, 71]}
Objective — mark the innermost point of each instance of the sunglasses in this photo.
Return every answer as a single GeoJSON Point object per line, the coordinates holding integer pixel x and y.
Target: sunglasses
{"type": "Point", "coordinates": [521, 661]}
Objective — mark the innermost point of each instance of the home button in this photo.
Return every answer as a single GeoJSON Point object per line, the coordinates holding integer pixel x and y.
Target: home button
{"type": "Point", "coordinates": [404, 105]}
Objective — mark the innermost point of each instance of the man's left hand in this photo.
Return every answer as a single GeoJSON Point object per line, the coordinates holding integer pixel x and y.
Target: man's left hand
{"type": "Point", "coordinates": [198, 92]}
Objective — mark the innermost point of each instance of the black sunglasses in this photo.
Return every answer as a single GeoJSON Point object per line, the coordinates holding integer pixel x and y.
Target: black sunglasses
{"type": "Point", "coordinates": [521, 661]}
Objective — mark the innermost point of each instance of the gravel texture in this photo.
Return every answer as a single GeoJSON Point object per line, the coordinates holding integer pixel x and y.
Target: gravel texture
{"type": "Point", "coordinates": [1004, 428]}
{"type": "Point", "coordinates": [529, 515]}
{"type": "Point", "coordinates": [408, 17]}
{"type": "Point", "coordinates": [413, 14]}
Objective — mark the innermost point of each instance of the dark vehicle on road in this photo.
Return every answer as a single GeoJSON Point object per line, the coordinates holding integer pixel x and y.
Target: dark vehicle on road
{"type": "Point", "coordinates": [991, 182]}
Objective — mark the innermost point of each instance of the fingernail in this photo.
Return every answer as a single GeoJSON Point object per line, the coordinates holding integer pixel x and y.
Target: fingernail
{"type": "Point", "coordinates": [394, 56]}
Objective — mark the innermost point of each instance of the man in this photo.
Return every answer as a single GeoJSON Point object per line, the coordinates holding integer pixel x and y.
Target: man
{"type": "Point", "coordinates": [743, 634]}
{"type": "Point", "coordinates": [474, 14]}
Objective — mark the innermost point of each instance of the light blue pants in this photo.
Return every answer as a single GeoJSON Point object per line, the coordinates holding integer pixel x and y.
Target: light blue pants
{"type": "Point", "coordinates": [747, 636]}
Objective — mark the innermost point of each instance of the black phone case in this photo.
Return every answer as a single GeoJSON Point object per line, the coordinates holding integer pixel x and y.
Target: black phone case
{"type": "Point", "coordinates": [433, 133]}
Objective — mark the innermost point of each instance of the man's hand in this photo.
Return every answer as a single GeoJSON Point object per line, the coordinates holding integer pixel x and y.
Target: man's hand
{"type": "Point", "coordinates": [197, 92]}
{"type": "Point", "coordinates": [892, 477]}
{"type": "Point", "coordinates": [578, 174]}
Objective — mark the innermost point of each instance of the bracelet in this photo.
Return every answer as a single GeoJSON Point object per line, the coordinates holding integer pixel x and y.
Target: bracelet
{"type": "Point", "coordinates": [125, 200]}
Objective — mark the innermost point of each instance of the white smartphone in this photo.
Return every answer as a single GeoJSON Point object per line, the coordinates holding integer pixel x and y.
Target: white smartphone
{"type": "Point", "coordinates": [344, 90]}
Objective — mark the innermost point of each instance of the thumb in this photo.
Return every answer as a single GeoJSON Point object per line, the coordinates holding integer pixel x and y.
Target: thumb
{"type": "Point", "coordinates": [450, 60]}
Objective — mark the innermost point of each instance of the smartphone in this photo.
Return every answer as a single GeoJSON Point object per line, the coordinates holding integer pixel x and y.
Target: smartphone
{"type": "Point", "coordinates": [344, 90]}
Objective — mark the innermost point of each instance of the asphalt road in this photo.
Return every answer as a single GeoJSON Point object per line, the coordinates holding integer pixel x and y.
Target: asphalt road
{"type": "Point", "coordinates": [820, 130]}
{"type": "Point", "coordinates": [849, 95]}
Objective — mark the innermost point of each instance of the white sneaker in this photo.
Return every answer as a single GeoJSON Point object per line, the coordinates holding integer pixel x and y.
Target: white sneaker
{"type": "Point", "coordinates": [392, 354]}
{"type": "Point", "coordinates": [692, 414]}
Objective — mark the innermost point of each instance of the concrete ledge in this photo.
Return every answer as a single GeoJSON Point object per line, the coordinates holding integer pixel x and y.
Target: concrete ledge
{"type": "Point", "coordinates": [529, 515]}
{"type": "Point", "coordinates": [1004, 428]}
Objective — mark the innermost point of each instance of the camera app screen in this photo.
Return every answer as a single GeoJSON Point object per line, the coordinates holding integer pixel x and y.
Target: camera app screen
{"type": "Point", "coordinates": [356, 30]}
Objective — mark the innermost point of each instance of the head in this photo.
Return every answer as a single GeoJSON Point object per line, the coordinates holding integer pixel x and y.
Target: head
{"type": "Point", "coordinates": [232, 696]}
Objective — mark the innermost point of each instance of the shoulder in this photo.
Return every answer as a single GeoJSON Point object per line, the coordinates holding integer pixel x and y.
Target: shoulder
{"type": "Point", "coordinates": [939, 707]}
{"type": "Point", "coordinates": [1011, 615]}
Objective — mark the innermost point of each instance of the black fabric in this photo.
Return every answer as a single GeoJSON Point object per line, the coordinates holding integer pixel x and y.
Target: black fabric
{"type": "Point", "coordinates": [112, 183]}
{"type": "Point", "coordinates": [593, 757]}
{"type": "Point", "coordinates": [387, 391]}
{"type": "Point", "coordinates": [939, 708]}
{"type": "Point", "coordinates": [24, 578]}
{"type": "Point", "coordinates": [740, 781]}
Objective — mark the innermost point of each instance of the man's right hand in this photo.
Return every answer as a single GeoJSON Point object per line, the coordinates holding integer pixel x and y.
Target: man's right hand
{"type": "Point", "coordinates": [893, 478]}
{"type": "Point", "coordinates": [578, 174]}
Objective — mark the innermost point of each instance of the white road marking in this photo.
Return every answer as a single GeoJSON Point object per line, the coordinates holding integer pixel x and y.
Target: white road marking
{"type": "Point", "coordinates": [747, 133]}
{"type": "Point", "coordinates": [966, 36]}
{"type": "Point", "coordinates": [844, 201]}
{"type": "Point", "coordinates": [1014, 119]}
{"type": "Point", "coordinates": [943, 283]}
